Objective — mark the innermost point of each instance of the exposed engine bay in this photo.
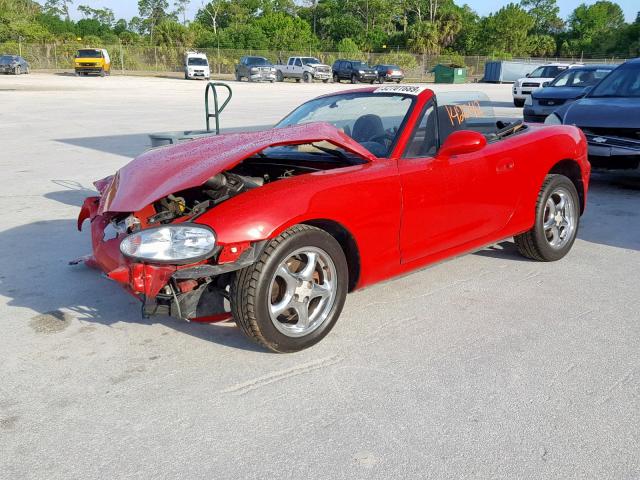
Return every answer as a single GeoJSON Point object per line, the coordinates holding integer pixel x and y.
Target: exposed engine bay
{"type": "Point", "coordinates": [252, 173]}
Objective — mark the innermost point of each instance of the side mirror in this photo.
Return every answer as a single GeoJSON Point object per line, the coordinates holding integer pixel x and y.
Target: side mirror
{"type": "Point", "coordinates": [528, 75]}
{"type": "Point", "coordinates": [545, 84]}
{"type": "Point", "coordinates": [462, 141]}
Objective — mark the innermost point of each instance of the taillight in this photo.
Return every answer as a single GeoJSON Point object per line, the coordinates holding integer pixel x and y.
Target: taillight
{"type": "Point", "coordinates": [389, 72]}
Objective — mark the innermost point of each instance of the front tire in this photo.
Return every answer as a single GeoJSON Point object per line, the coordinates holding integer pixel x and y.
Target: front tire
{"type": "Point", "coordinates": [518, 102]}
{"type": "Point", "coordinates": [17, 70]}
{"type": "Point", "coordinates": [292, 297]}
{"type": "Point", "coordinates": [306, 76]}
{"type": "Point", "coordinates": [556, 223]}
{"type": "Point", "coordinates": [279, 76]}
{"type": "Point", "coordinates": [354, 79]}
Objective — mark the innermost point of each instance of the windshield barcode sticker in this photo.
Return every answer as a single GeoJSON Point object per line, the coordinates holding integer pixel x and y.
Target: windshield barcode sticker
{"type": "Point", "coordinates": [407, 89]}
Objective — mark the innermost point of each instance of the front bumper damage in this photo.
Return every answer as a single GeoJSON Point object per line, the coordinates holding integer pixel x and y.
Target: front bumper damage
{"type": "Point", "coordinates": [165, 289]}
{"type": "Point", "coordinates": [613, 152]}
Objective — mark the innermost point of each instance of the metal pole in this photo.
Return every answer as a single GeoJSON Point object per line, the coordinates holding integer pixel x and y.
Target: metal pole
{"type": "Point", "coordinates": [121, 58]}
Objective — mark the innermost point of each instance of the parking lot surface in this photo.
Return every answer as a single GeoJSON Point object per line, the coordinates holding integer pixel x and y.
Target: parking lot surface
{"type": "Point", "coordinates": [486, 366]}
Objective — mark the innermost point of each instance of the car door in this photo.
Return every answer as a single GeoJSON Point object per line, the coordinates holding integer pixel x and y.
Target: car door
{"type": "Point", "coordinates": [449, 202]}
{"type": "Point", "coordinates": [298, 68]}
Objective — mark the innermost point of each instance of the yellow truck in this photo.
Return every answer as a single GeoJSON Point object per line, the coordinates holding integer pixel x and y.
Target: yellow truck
{"type": "Point", "coordinates": [92, 60]}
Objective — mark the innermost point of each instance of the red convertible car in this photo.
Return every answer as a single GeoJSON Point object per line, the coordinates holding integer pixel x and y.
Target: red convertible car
{"type": "Point", "coordinates": [273, 228]}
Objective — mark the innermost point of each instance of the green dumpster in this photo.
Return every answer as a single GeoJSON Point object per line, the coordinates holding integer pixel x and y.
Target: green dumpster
{"type": "Point", "coordinates": [450, 73]}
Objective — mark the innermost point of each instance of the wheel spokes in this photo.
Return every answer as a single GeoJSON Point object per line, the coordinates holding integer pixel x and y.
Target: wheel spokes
{"type": "Point", "coordinates": [307, 272]}
{"type": "Point", "coordinates": [302, 311]}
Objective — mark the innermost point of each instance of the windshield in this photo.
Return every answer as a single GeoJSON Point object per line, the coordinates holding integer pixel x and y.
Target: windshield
{"type": "Point", "coordinates": [547, 72]}
{"type": "Point", "coordinates": [624, 81]}
{"type": "Point", "coordinates": [7, 59]}
{"type": "Point", "coordinates": [360, 65]}
{"type": "Point", "coordinates": [309, 60]}
{"type": "Point", "coordinates": [198, 61]}
{"type": "Point", "coordinates": [578, 77]}
{"type": "Point", "coordinates": [89, 54]}
{"type": "Point", "coordinates": [371, 119]}
{"type": "Point", "coordinates": [257, 61]}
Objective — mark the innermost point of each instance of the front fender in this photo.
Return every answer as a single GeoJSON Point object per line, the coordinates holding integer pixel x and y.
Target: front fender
{"type": "Point", "coordinates": [364, 199]}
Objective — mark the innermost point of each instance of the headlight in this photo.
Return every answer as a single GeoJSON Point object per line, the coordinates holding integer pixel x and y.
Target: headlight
{"type": "Point", "coordinates": [254, 70]}
{"type": "Point", "coordinates": [529, 100]}
{"type": "Point", "coordinates": [360, 72]}
{"type": "Point", "coordinates": [553, 119]}
{"type": "Point", "coordinates": [184, 243]}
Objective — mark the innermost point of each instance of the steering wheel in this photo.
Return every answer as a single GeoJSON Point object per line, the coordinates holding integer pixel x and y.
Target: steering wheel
{"type": "Point", "coordinates": [382, 138]}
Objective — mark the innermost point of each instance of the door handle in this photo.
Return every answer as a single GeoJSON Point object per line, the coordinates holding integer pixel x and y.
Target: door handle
{"type": "Point", "coordinates": [505, 166]}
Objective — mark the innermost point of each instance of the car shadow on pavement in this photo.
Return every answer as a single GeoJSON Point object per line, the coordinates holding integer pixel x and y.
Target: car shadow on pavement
{"type": "Point", "coordinates": [36, 274]}
{"type": "Point", "coordinates": [612, 216]}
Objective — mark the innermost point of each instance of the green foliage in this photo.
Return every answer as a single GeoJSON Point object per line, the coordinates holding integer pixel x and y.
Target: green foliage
{"type": "Point", "coordinates": [404, 60]}
{"type": "Point", "coordinates": [348, 48]}
{"type": "Point", "coordinates": [507, 31]}
{"type": "Point", "coordinates": [353, 28]}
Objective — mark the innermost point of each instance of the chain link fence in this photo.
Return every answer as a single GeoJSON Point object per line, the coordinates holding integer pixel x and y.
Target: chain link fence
{"type": "Point", "coordinates": [130, 58]}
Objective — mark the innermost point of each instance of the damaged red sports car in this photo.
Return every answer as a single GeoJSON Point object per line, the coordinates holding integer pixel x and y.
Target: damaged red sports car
{"type": "Point", "coordinates": [273, 228]}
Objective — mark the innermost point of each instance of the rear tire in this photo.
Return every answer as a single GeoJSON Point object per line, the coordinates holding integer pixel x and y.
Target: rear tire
{"type": "Point", "coordinates": [238, 77]}
{"type": "Point", "coordinates": [518, 102]}
{"type": "Point", "coordinates": [279, 76]}
{"type": "Point", "coordinates": [556, 222]}
{"type": "Point", "coordinates": [336, 79]}
{"type": "Point", "coordinates": [304, 272]}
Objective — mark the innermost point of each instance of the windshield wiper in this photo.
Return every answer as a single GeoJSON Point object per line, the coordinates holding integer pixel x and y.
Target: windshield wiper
{"type": "Point", "coordinates": [333, 152]}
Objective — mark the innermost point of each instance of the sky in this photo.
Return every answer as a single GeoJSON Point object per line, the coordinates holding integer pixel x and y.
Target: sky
{"type": "Point", "coordinates": [129, 8]}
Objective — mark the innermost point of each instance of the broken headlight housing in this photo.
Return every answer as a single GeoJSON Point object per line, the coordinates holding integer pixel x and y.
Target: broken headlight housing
{"type": "Point", "coordinates": [183, 243]}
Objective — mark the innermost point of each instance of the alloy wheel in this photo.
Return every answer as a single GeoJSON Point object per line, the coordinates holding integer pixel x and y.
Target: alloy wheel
{"type": "Point", "coordinates": [302, 291]}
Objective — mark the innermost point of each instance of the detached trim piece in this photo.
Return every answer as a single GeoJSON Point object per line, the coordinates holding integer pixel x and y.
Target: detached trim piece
{"type": "Point", "coordinates": [248, 257]}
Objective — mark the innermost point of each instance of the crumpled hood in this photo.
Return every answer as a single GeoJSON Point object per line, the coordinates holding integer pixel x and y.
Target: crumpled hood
{"type": "Point", "coordinates": [604, 113]}
{"type": "Point", "coordinates": [166, 170]}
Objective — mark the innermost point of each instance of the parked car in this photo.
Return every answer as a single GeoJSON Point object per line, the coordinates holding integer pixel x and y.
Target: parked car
{"type": "Point", "coordinates": [273, 228]}
{"type": "Point", "coordinates": [255, 69]}
{"type": "Point", "coordinates": [609, 117]}
{"type": "Point", "coordinates": [353, 70]}
{"type": "Point", "coordinates": [14, 64]}
{"type": "Point", "coordinates": [389, 73]}
{"type": "Point", "coordinates": [307, 69]}
{"type": "Point", "coordinates": [570, 85]}
{"type": "Point", "coordinates": [523, 87]}
{"type": "Point", "coordinates": [196, 65]}
{"type": "Point", "coordinates": [92, 60]}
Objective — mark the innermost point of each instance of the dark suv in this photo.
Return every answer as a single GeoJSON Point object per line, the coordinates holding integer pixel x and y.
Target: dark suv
{"type": "Point", "coordinates": [353, 70]}
{"type": "Point", "coordinates": [255, 69]}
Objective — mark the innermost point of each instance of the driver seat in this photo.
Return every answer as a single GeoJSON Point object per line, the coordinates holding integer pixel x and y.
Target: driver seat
{"type": "Point", "coordinates": [367, 127]}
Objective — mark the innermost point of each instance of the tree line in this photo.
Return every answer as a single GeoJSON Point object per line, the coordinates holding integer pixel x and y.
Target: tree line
{"type": "Point", "coordinates": [432, 27]}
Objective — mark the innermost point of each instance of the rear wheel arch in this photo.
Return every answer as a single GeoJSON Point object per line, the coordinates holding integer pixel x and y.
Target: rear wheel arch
{"type": "Point", "coordinates": [571, 169]}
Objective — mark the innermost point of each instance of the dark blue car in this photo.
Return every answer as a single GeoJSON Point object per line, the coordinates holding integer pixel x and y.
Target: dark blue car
{"type": "Point", "coordinates": [565, 88]}
{"type": "Point", "coordinates": [609, 115]}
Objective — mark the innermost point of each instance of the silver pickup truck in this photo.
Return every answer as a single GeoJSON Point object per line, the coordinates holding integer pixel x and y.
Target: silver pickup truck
{"type": "Point", "coordinates": [307, 69]}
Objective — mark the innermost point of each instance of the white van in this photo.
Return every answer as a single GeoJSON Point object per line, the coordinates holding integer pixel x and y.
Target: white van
{"type": "Point", "coordinates": [196, 65]}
